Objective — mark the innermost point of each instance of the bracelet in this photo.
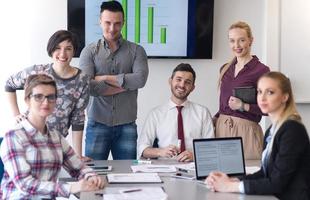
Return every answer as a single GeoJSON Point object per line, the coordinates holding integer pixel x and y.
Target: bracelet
{"type": "Point", "coordinates": [241, 109]}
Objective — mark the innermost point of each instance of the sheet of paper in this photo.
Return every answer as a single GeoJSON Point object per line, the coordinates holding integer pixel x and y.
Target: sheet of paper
{"type": "Point", "coordinates": [153, 168]}
{"type": "Point", "coordinates": [251, 169]}
{"type": "Point", "coordinates": [134, 178]}
{"type": "Point", "coordinates": [136, 193]}
{"type": "Point", "coordinates": [186, 167]}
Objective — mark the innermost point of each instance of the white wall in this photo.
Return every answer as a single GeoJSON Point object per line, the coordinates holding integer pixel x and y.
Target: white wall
{"type": "Point", "coordinates": [29, 24]}
{"type": "Point", "coordinates": [273, 54]}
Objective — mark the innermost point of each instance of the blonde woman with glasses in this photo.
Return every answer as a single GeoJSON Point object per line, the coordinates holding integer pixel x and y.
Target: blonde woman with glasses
{"type": "Point", "coordinates": [33, 154]}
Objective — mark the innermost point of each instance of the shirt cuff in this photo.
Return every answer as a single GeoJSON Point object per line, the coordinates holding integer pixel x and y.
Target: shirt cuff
{"type": "Point", "coordinates": [120, 79]}
{"type": "Point", "coordinates": [141, 148]}
{"type": "Point", "coordinates": [87, 172]}
{"type": "Point", "coordinates": [241, 187]}
{"type": "Point", "coordinates": [63, 190]}
{"type": "Point", "coordinates": [97, 88]}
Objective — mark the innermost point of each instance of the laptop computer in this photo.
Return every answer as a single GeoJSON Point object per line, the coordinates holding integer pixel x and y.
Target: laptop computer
{"type": "Point", "coordinates": [219, 154]}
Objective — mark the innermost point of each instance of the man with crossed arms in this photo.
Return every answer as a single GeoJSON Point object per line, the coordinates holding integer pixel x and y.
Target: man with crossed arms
{"type": "Point", "coordinates": [163, 123]}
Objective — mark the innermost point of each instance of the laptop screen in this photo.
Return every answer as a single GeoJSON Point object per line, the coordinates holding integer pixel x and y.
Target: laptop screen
{"type": "Point", "coordinates": [218, 154]}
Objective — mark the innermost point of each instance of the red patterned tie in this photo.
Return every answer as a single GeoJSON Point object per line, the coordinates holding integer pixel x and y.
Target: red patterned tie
{"type": "Point", "coordinates": [180, 128]}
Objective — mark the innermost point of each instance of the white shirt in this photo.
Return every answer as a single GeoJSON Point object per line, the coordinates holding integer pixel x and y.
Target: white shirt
{"type": "Point", "coordinates": [162, 123]}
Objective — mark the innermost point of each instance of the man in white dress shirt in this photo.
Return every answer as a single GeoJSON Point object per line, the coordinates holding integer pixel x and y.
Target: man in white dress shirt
{"type": "Point", "coordinates": [162, 121]}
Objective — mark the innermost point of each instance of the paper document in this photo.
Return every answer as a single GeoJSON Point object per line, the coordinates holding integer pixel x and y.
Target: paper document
{"type": "Point", "coordinates": [251, 169]}
{"type": "Point", "coordinates": [134, 178]}
{"type": "Point", "coordinates": [135, 193]}
{"type": "Point", "coordinates": [188, 167]}
{"type": "Point", "coordinates": [153, 168]}
{"type": "Point", "coordinates": [183, 176]}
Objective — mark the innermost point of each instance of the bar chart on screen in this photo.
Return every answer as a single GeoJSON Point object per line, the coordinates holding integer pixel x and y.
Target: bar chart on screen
{"type": "Point", "coordinates": [151, 23]}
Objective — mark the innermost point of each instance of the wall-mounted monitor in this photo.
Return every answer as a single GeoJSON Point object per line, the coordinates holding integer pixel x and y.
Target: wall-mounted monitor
{"type": "Point", "coordinates": [165, 28]}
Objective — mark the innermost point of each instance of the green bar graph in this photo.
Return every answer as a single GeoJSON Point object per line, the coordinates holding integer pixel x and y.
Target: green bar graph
{"type": "Point", "coordinates": [150, 24]}
{"type": "Point", "coordinates": [163, 32]}
{"type": "Point", "coordinates": [124, 29]}
{"type": "Point", "coordinates": [137, 20]}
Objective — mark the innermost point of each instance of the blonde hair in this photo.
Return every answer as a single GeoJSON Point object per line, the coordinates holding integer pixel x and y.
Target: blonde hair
{"type": "Point", "coordinates": [247, 28]}
{"type": "Point", "coordinates": [290, 111]}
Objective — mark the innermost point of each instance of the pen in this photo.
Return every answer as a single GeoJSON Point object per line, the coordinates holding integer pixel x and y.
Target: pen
{"type": "Point", "coordinates": [142, 161]}
{"type": "Point", "coordinates": [132, 190]}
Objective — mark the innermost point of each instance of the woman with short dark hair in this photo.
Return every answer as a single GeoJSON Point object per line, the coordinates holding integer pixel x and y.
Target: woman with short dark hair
{"type": "Point", "coordinates": [72, 84]}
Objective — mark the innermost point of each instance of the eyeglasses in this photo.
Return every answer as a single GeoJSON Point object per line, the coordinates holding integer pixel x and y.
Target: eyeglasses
{"type": "Point", "coordinates": [41, 97]}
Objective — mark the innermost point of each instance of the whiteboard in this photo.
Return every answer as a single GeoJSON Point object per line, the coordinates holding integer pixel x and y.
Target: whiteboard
{"type": "Point", "coordinates": [295, 46]}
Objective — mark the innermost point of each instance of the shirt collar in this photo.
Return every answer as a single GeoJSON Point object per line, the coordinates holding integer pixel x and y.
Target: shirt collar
{"type": "Point", "coordinates": [172, 105]}
{"type": "Point", "coordinates": [28, 127]}
{"type": "Point", "coordinates": [119, 42]}
{"type": "Point", "coordinates": [31, 131]}
{"type": "Point", "coordinates": [251, 63]}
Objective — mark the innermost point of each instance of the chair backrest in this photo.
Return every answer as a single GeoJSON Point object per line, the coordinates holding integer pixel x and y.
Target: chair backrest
{"type": "Point", "coordinates": [1, 164]}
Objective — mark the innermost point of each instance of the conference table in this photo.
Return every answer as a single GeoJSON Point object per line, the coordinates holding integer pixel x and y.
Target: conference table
{"type": "Point", "coordinates": [177, 189]}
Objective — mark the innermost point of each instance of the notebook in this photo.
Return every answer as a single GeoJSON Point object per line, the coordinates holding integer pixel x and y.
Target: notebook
{"type": "Point", "coordinates": [219, 154]}
{"type": "Point", "coordinates": [134, 178]}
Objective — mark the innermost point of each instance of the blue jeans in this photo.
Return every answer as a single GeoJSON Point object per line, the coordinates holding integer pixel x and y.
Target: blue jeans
{"type": "Point", "coordinates": [121, 140]}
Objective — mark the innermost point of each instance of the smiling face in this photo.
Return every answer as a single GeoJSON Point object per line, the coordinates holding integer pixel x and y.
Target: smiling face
{"type": "Point", "coordinates": [270, 97]}
{"type": "Point", "coordinates": [38, 106]}
{"type": "Point", "coordinates": [239, 42]}
{"type": "Point", "coordinates": [111, 24]}
{"type": "Point", "coordinates": [182, 84]}
{"type": "Point", "coordinates": [63, 53]}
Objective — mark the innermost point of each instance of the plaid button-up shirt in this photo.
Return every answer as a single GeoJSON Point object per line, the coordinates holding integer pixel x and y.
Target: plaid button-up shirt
{"type": "Point", "coordinates": [32, 162]}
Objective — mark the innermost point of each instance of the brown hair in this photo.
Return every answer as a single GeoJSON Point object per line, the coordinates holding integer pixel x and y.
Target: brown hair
{"type": "Point", "coordinates": [290, 111]}
{"type": "Point", "coordinates": [247, 28]}
{"type": "Point", "coordinates": [38, 79]}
